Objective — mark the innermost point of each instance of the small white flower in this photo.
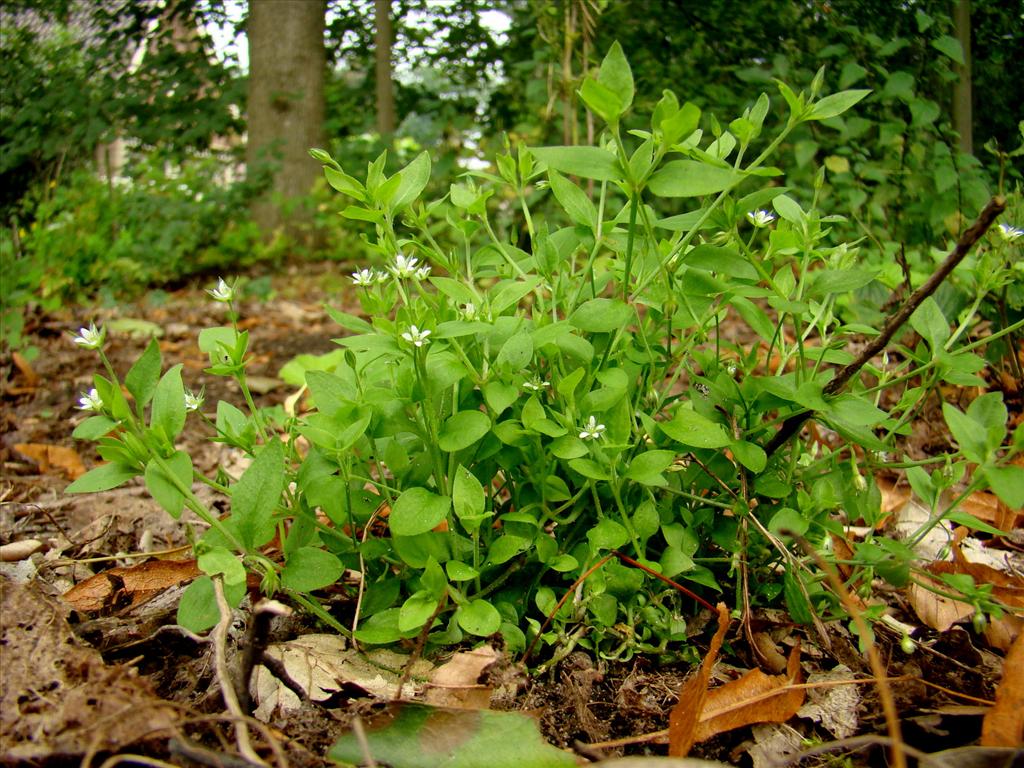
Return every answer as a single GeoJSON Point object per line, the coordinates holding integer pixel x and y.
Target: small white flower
{"type": "Point", "coordinates": [193, 402]}
{"type": "Point", "coordinates": [469, 311]}
{"type": "Point", "coordinates": [91, 337]}
{"type": "Point", "coordinates": [1010, 234]}
{"type": "Point", "coordinates": [364, 278]}
{"type": "Point", "coordinates": [592, 430]}
{"type": "Point", "coordinates": [422, 273]}
{"type": "Point", "coordinates": [536, 385]}
{"type": "Point", "coordinates": [223, 292]}
{"type": "Point", "coordinates": [90, 401]}
{"type": "Point", "coordinates": [416, 337]}
{"type": "Point", "coordinates": [404, 266]}
{"type": "Point", "coordinates": [760, 218]}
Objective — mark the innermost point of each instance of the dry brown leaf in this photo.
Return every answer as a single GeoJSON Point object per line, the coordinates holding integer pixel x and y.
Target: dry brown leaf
{"type": "Point", "coordinates": [457, 683]}
{"type": "Point", "coordinates": [122, 587]}
{"type": "Point", "coordinates": [754, 698]}
{"type": "Point", "coordinates": [984, 506]}
{"type": "Point", "coordinates": [685, 715]}
{"type": "Point", "coordinates": [894, 496]}
{"type": "Point", "coordinates": [937, 611]}
{"type": "Point", "coordinates": [26, 370]}
{"type": "Point", "coordinates": [940, 613]}
{"type": "Point", "coordinates": [1003, 725]}
{"type": "Point", "coordinates": [49, 456]}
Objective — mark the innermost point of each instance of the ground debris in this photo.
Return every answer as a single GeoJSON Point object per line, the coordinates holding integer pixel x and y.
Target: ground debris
{"type": "Point", "coordinates": [59, 698]}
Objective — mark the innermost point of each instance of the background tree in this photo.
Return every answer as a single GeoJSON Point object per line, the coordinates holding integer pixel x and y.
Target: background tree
{"type": "Point", "coordinates": [287, 69]}
{"type": "Point", "coordinates": [382, 68]}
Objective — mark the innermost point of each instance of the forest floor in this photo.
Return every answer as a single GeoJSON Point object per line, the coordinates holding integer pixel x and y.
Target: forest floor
{"type": "Point", "coordinates": [101, 670]}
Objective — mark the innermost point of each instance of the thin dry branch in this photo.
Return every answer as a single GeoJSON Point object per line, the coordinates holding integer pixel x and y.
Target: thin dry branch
{"type": "Point", "coordinates": [963, 246]}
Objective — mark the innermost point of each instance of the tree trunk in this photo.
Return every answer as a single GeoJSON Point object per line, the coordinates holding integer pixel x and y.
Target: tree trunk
{"type": "Point", "coordinates": [287, 69]}
{"type": "Point", "coordinates": [382, 60]}
{"type": "Point", "coordinates": [963, 119]}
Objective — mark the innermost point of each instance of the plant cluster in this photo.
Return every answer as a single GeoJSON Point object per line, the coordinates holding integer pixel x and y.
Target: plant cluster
{"type": "Point", "coordinates": [507, 417]}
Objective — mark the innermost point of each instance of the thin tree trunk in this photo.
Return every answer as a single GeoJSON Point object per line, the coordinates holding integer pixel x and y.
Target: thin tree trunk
{"type": "Point", "coordinates": [386, 119]}
{"type": "Point", "coordinates": [287, 70]}
{"type": "Point", "coordinates": [963, 118]}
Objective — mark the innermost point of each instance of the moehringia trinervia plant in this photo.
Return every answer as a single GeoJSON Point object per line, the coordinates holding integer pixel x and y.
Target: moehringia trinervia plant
{"type": "Point", "coordinates": [533, 385]}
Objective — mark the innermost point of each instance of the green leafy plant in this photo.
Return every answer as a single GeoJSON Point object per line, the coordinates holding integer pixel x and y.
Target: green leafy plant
{"type": "Point", "coordinates": [508, 419]}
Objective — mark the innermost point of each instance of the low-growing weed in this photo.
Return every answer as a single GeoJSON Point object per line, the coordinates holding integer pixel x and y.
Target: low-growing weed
{"type": "Point", "coordinates": [509, 411]}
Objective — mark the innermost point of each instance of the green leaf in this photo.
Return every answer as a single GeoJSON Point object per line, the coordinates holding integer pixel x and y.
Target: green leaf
{"type": "Point", "coordinates": [168, 412]}
{"type": "Point", "coordinates": [589, 468]}
{"type": "Point", "coordinates": [478, 617]}
{"type": "Point", "coordinates": [516, 353]}
{"type": "Point", "coordinates": [163, 489]}
{"type": "Point", "coordinates": [143, 376]}
{"type": "Point", "coordinates": [414, 178]}
{"type": "Point", "coordinates": [358, 213]}
{"type": "Point", "coordinates": [796, 602]}
{"type": "Point", "coordinates": [103, 478]}
{"type": "Point", "coordinates": [789, 209]}
{"type": "Point", "coordinates": [499, 395]}
{"type": "Point", "coordinates": [786, 522]}
{"type": "Point", "coordinates": [1007, 483]}
{"type": "Point", "coordinates": [468, 498]}
{"type": "Point", "coordinates": [345, 184]}
{"type": "Point", "coordinates": [310, 568]}
{"type": "Point", "coordinates": [836, 104]}
{"type": "Point", "coordinates": [601, 315]}
{"type": "Point", "coordinates": [970, 434]}
{"type": "Point", "coordinates": [647, 467]}
{"type": "Point", "coordinates": [462, 430]}
{"type": "Point", "coordinates": [691, 428]}
{"type": "Point", "coordinates": [750, 455]}
{"type": "Point", "coordinates": [508, 293]}
{"type": "Point", "coordinates": [949, 46]}
{"type": "Point", "coordinates": [94, 428]}
{"type": "Point", "coordinates": [586, 162]}
{"type": "Point", "coordinates": [409, 735]}
{"type": "Point", "coordinates": [616, 76]}
{"type": "Point", "coordinates": [505, 547]}
{"type": "Point", "coordinates": [222, 561]}
{"type": "Point", "coordinates": [458, 571]}
{"type": "Point", "coordinates": [417, 511]}
{"type": "Point", "coordinates": [724, 261]}
{"type": "Point", "coordinates": [574, 201]}
{"type": "Point", "coordinates": [930, 323]}
{"type": "Point", "coordinates": [197, 609]}
{"type": "Point", "coordinates": [601, 100]}
{"type": "Point", "coordinates": [689, 178]}
{"type": "Point", "coordinates": [607, 534]}
{"type": "Point", "coordinates": [416, 611]}
{"type": "Point", "coordinates": [256, 495]}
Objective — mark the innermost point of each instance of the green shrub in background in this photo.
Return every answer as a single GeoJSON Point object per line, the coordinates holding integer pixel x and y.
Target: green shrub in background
{"type": "Point", "coordinates": [509, 418]}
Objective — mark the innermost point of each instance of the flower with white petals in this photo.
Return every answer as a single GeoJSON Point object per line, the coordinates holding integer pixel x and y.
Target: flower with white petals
{"type": "Point", "coordinates": [1010, 234]}
{"type": "Point", "coordinates": [404, 266]}
{"type": "Point", "coordinates": [91, 337]}
{"type": "Point", "coordinates": [223, 292]}
{"type": "Point", "coordinates": [760, 218]}
{"type": "Point", "coordinates": [364, 278]}
{"type": "Point", "coordinates": [592, 430]}
{"type": "Point", "coordinates": [416, 337]}
{"type": "Point", "coordinates": [536, 385]}
{"type": "Point", "coordinates": [193, 402]}
{"type": "Point", "coordinates": [422, 273]}
{"type": "Point", "coordinates": [469, 311]}
{"type": "Point", "coordinates": [90, 401]}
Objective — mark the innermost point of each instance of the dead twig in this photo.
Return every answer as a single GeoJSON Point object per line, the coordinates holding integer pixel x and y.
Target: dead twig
{"type": "Point", "coordinates": [227, 687]}
{"type": "Point", "coordinates": [963, 246]}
